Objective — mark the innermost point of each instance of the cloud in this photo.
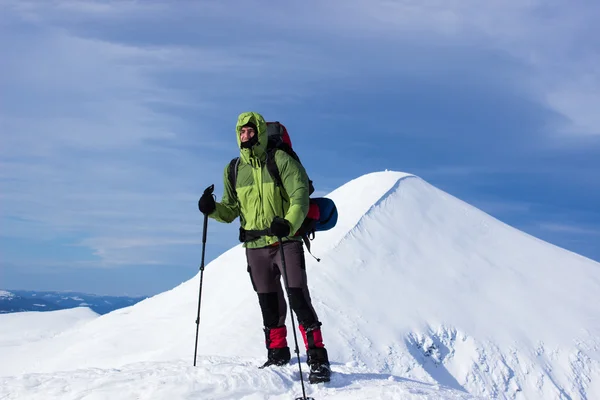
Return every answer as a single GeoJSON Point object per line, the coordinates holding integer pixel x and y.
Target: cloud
{"type": "Point", "coordinates": [88, 149]}
{"type": "Point", "coordinates": [556, 41]}
{"type": "Point", "coordinates": [578, 99]}
{"type": "Point", "coordinates": [575, 229]}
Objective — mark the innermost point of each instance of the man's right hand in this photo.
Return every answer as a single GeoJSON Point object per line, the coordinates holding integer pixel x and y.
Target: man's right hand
{"type": "Point", "coordinates": [207, 204]}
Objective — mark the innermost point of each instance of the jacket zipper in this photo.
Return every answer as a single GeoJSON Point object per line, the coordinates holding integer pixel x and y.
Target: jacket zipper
{"type": "Point", "coordinates": [258, 178]}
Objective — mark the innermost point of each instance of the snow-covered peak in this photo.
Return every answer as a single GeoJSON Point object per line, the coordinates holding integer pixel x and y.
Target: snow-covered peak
{"type": "Point", "coordinates": [354, 199]}
{"type": "Point", "coordinates": [441, 259]}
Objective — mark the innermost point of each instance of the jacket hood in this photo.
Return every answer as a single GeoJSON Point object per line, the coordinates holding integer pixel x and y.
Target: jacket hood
{"type": "Point", "coordinates": [259, 150]}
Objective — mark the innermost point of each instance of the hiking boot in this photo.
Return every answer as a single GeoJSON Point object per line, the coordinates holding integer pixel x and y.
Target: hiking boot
{"type": "Point", "coordinates": [320, 370]}
{"type": "Point", "coordinates": [319, 373]}
{"type": "Point", "coordinates": [278, 357]}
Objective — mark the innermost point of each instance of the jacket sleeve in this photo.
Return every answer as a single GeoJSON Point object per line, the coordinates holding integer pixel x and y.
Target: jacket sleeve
{"type": "Point", "coordinates": [227, 210]}
{"type": "Point", "coordinates": [295, 182]}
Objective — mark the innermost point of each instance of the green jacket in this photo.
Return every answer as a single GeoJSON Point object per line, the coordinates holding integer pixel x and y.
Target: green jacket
{"type": "Point", "coordinates": [258, 200]}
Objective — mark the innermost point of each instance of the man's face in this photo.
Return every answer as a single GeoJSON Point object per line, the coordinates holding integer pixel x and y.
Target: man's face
{"type": "Point", "coordinates": [246, 133]}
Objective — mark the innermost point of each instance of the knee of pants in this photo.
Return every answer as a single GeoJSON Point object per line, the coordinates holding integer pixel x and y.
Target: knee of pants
{"type": "Point", "coordinates": [269, 306]}
{"type": "Point", "coordinates": [301, 305]}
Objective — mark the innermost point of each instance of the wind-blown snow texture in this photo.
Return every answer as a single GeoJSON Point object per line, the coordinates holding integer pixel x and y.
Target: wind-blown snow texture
{"type": "Point", "coordinates": [421, 296]}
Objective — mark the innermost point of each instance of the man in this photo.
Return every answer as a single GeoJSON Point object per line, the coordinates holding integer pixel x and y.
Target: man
{"type": "Point", "coordinates": [267, 212]}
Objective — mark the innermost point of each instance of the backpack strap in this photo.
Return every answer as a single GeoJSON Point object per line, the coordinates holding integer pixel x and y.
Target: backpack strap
{"type": "Point", "coordinates": [232, 173]}
{"type": "Point", "coordinates": [274, 170]}
{"type": "Point", "coordinates": [272, 167]}
{"type": "Point", "coordinates": [307, 240]}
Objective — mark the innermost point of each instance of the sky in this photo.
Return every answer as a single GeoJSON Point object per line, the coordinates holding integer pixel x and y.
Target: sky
{"type": "Point", "coordinates": [114, 117]}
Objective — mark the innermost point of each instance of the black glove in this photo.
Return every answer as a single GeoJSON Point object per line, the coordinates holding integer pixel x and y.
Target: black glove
{"type": "Point", "coordinates": [280, 227]}
{"type": "Point", "coordinates": [207, 204]}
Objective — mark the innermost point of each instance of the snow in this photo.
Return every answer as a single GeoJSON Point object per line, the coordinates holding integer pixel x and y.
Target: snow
{"type": "Point", "coordinates": [420, 294]}
{"type": "Point", "coordinates": [24, 328]}
{"type": "Point", "coordinates": [4, 293]}
{"type": "Point", "coordinates": [213, 378]}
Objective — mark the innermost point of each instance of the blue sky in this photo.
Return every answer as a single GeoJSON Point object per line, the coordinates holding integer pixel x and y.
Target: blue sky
{"type": "Point", "coordinates": [114, 116]}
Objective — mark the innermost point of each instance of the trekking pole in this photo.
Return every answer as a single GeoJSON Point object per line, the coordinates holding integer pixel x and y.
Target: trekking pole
{"type": "Point", "coordinates": [287, 289]}
{"type": "Point", "coordinates": [208, 190]}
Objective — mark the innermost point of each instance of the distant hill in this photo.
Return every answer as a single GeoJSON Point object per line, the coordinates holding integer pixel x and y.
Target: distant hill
{"type": "Point", "coordinates": [26, 300]}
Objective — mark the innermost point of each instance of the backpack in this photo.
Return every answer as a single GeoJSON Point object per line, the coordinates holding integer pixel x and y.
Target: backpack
{"type": "Point", "coordinates": [322, 212]}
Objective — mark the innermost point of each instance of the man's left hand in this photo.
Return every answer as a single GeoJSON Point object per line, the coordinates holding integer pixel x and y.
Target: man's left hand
{"type": "Point", "coordinates": [280, 227]}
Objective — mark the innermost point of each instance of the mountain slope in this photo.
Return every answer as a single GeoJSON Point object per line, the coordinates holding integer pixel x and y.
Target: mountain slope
{"type": "Point", "coordinates": [413, 283]}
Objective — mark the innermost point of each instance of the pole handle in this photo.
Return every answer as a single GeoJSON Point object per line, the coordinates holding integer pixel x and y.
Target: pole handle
{"type": "Point", "coordinates": [208, 191]}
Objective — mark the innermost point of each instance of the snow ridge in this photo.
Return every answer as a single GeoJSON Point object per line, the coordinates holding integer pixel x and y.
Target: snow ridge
{"type": "Point", "coordinates": [372, 209]}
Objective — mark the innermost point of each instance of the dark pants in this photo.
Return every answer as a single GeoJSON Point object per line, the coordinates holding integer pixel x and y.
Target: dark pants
{"type": "Point", "coordinates": [266, 274]}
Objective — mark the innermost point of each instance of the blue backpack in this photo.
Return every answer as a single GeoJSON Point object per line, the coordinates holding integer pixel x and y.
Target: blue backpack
{"type": "Point", "coordinates": [322, 213]}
